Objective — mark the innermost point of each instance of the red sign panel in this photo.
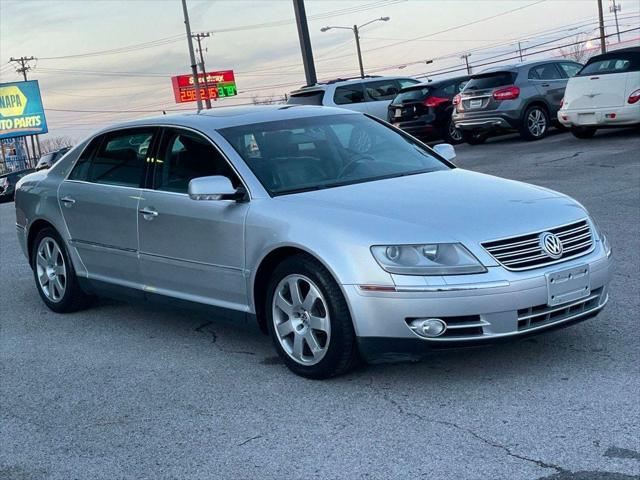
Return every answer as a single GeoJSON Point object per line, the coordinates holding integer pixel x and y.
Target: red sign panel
{"type": "Point", "coordinates": [212, 86]}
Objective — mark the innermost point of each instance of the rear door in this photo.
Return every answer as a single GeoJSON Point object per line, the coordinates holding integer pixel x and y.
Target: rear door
{"type": "Point", "coordinates": [99, 202]}
{"type": "Point", "coordinates": [550, 82]}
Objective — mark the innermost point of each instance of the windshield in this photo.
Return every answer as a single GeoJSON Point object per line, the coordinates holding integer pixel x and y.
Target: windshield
{"type": "Point", "coordinates": [312, 153]}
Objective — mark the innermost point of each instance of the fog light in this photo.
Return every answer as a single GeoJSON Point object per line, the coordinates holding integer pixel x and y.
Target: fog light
{"type": "Point", "coordinates": [428, 327]}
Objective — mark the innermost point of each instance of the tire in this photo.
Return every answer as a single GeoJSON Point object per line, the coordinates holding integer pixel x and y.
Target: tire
{"type": "Point", "coordinates": [452, 134]}
{"type": "Point", "coordinates": [54, 274]}
{"type": "Point", "coordinates": [324, 321]}
{"type": "Point", "coordinates": [535, 123]}
{"type": "Point", "coordinates": [474, 138]}
{"type": "Point", "coordinates": [583, 132]}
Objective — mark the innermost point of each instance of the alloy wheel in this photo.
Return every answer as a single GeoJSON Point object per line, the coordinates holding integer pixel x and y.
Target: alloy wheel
{"type": "Point", "coordinates": [454, 133]}
{"type": "Point", "coordinates": [51, 269]}
{"type": "Point", "coordinates": [537, 122]}
{"type": "Point", "coordinates": [301, 319]}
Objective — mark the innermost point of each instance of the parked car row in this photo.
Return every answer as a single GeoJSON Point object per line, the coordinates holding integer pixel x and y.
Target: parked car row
{"type": "Point", "coordinates": [8, 183]}
{"type": "Point", "coordinates": [529, 98]}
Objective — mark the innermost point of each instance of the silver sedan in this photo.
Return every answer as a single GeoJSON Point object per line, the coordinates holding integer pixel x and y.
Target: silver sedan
{"type": "Point", "coordinates": [338, 235]}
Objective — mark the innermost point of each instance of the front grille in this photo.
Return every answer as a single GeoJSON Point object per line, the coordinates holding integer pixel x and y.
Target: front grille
{"type": "Point", "coordinates": [524, 252]}
{"type": "Point", "coordinates": [543, 314]}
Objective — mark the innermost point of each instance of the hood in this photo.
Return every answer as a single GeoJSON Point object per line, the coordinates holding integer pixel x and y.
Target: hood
{"type": "Point", "coordinates": [450, 205]}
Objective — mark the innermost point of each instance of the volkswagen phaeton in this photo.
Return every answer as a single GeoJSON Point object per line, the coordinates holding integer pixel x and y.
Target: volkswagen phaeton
{"type": "Point", "coordinates": [337, 234]}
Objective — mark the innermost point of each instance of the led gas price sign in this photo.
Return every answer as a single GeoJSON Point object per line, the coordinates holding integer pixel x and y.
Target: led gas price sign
{"type": "Point", "coordinates": [213, 85]}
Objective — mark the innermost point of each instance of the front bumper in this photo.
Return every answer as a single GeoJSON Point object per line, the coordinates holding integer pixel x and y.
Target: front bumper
{"type": "Point", "coordinates": [505, 305]}
{"type": "Point", "coordinates": [601, 117]}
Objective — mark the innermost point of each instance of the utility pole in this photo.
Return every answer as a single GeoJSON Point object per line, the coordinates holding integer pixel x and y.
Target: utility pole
{"type": "Point", "coordinates": [199, 37]}
{"type": "Point", "coordinates": [23, 69]}
{"type": "Point", "coordinates": [520, 51]}
{"type": "Point", "coordinates": [194, 66]}
{"type": "Point", "coordinates": [615, 9]}
{"type": "Point", "coordinates": [357, 34]}
{"type": "Point", "coordinates": [305, 42]}
{"type": "Point", "coordinates": [603, 46]}
{"type": "Point", "coordinates": [466, 61]}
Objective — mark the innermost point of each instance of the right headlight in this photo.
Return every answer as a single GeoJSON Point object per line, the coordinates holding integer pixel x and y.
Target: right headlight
{"type": "Point", "coordinates": [427, 259]}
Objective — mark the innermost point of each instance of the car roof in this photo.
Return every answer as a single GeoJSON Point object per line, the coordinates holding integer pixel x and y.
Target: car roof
{"type": "Point", "coordinates": [321, 86]}
{"type": "Point", "coordinates": [435, 83]}
{"type": "Point", "coordinates": [223, 117]}
{"type": "Point", "coordinates": [514, 67]}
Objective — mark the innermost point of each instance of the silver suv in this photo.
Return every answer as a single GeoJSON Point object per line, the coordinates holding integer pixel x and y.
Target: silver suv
{"type": "Point", "coordinates": [370, 95]}
{"type": "Point", "coordinates": [523, 98]}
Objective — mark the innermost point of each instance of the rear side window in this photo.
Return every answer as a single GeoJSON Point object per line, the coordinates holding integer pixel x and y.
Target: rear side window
{"type": "Point", "coordinates": [491, 80]}
{"type": "Point", "coordinates": [120, 159]}
{"type": "Point", "coordinates": [548, 71]}
{"type": "Point", "coordinates": [313, 97]}
{"type": "Point", "coordinates": [382, 89]}
{"type": "Point", "coordinates": [349, 94]}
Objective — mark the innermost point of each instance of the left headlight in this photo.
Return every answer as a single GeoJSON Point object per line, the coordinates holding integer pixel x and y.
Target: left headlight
{"type": "Point", "coordinates": [427, 259]}
{"type": "Point", "coordinates": [603, 238]}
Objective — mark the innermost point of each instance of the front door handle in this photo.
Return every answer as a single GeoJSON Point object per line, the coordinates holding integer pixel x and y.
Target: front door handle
{"type": "Point", "coordinates": [546, 85]}
{"type": "Point", "coordinates": [67, 201]}
{"type": "Point", "coordinates": [148, 213]}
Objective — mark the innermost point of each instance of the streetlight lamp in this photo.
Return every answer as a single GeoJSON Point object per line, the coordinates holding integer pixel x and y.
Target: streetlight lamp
{"type": "Point", "coordinates": [356, 31]}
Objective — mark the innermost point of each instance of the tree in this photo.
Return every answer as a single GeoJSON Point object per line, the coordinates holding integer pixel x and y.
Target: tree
{"type": "Point", "coordinates": [55, 143]}
{"type": "Point", "coordinates": [578, 51]}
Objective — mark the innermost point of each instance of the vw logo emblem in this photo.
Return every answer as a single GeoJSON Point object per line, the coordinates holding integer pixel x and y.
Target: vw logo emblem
{"type": "Point", "coordinates": [551, 245]}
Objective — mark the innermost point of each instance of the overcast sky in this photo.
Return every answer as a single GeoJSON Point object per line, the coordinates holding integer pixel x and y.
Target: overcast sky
{"type": "Point", "coordinates": [258, 40]}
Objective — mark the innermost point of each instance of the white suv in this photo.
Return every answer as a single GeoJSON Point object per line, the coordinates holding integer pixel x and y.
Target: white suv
{"type": "Point", "coordinates": [370, 95]}
{"type": "Point", "coordinates": [605, 93]}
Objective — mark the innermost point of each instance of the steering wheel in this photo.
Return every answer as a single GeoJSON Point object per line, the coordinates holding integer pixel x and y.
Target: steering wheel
{"type": "Point", "coordinates": [361, 157]}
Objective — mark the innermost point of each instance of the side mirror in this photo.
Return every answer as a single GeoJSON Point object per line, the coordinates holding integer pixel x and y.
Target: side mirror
{"type": "Point", "coordinates": [214, 188]}
{"type": "Point", "coordinates": [445, 150]}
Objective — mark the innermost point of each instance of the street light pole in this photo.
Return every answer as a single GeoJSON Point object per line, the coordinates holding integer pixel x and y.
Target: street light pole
{"type": "Point", "coordinates": [615, 9]}
{"type": "Point", "coordinates": [356, 32]}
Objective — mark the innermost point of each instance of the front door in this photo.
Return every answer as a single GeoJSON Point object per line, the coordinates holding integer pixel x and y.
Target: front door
{"type": "Point", "coordinates": [99, 202]}
{"type": "Point", "coordinates": [191, 249]}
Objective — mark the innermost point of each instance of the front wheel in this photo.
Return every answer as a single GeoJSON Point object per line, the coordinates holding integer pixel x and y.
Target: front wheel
{"type": "Point", "coordinates": [583, 132]}
{"type": "Point", "coordinates": [308, 319]}
{"type": "Point", "coordinates": [54, 274]}
{"type": "Point", "coordinates": [536, 123]}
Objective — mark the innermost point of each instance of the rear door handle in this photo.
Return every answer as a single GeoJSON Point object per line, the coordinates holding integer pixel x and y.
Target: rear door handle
{"type": "Point", "coordinates": [545, 85]}
{"type": "Point", "coordinates": [148, 213]}
{"type": "Point", "coordinates": [67, 201]}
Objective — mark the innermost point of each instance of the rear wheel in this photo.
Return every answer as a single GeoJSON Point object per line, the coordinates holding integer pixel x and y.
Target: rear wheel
{"type": "Point", "coordinates": [583, 132]}
{"type": "Point", "coordinates": [474, 138]}
{"type": "Point", "coordinates": [536, 123]}
{"type": "Point", "coordinates": [54, 274]}
{"type": "Point", "coordinates": [308, 319]}
{"type": "Point", "coordinates": [452, 134]}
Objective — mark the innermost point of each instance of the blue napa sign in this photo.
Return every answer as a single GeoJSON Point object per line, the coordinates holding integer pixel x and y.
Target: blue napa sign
{"type": "Point", "coordinates": [21, 111]}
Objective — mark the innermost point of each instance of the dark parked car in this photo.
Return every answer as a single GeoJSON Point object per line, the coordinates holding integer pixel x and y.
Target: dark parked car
{"type": "Point", "coordinates": [424, 110]}
{"type": "Point", "coordinates": [8, 183]}
{"type": "Point", "coordinates": [49, 159]}
{"type": "Point", "coordinates": [525, 98]}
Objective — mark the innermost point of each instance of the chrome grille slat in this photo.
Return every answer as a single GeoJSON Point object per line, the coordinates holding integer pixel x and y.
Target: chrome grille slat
{"type": "Point", "coordinates": [524, 252]}
{"type": "Point", "coordinates": [543, 314]}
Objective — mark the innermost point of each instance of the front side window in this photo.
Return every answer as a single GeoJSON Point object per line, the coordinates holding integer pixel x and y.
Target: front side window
{"type": "Point", "coordinates": [185, 156]}
{"type": "Point", "coordinates": [570, 69]}
{"type": "Point", "coordinates": [381, 89]}
{"type": "Point", "coordinates": [81, 168]}
{"type": "Point", "coordinates": [327, 151]}
{"type": "Point", "coordinates": [548, 71]}
{"type": "Point", "coordinates": [348, 94]}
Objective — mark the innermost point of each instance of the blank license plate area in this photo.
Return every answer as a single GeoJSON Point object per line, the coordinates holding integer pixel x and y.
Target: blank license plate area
{"type": "Point", "coordinates": [398, 112]}
{"type": "Point", "coordinates": [586, 118]}
{"type": "Point", "coordinates": [568, 285]}
{"type": "Point", "coordinates": [475, 103]}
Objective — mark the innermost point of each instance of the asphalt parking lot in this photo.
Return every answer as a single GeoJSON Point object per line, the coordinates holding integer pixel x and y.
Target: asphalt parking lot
{"type": "Point", "coordinates": [138, 391]}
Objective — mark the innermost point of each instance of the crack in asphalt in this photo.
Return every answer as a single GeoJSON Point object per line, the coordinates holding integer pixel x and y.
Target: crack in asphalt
{"type": "Point", "coordinates": [249, 440]}
{"type": "Point", "coordinates": [617, 452]}
{"type": "Point", "coordinates": [486, 441]}
{"type": "Point", "coordinates": [559, 159]}
{"type": "Point", "coordinates": [214, 338]}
